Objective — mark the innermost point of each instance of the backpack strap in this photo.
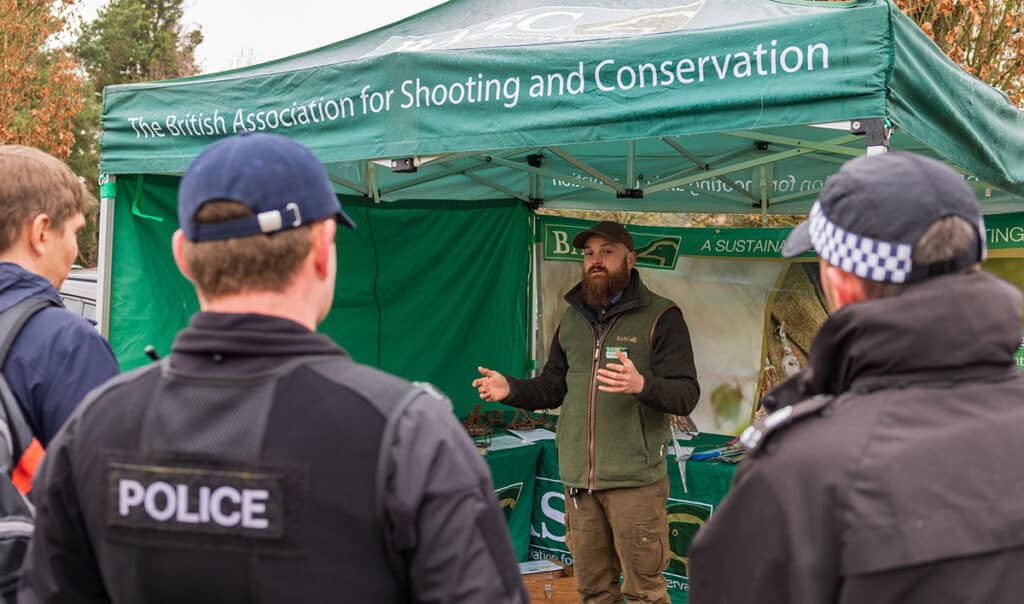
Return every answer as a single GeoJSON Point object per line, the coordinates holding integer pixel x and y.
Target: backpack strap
{"type": "Point", "coordinates": [14, 318]}
{"type": "Point", "coordinates": [23, 450]}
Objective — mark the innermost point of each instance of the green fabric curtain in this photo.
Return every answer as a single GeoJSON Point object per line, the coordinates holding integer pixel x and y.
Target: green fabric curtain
{"type": "Point", "coordinates": [426, 293]}
{"type": "Point", "coordinates": [149, 299]}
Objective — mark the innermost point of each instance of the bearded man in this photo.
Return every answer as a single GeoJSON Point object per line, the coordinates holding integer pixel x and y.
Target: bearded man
{"type": "Point", "coordinates": [620, 365]}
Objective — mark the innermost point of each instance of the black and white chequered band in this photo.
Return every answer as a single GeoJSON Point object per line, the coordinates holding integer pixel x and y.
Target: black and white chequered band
{"type": "Point", "coordinates": [863, 256]}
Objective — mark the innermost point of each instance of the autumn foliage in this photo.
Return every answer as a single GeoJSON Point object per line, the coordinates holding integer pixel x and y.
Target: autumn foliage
{"type": "Point", "coordinates": [984, 36]}
{"type": "Point", "coordinates": [40, 89]}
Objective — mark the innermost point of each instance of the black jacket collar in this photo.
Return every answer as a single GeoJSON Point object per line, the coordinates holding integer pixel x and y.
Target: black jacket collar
{"type": "Point", "coordinates": [250, 335]}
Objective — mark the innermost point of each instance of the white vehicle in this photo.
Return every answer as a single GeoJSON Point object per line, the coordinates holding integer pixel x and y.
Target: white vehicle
{"type": "Point", "coordinates": [79, 292]}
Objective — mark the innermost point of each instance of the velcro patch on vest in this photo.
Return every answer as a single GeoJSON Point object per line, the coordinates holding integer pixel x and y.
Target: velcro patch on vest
{"type": "Point", "coordinates": [762, 429]}
{"type": "Point", "coordinates": [227, 501]}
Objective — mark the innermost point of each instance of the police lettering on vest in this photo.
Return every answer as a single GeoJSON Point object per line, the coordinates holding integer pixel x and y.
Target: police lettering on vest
{"type": "Point", "coordinates": [225, 505]}
{"type": "Point", "coordinates": [194, 499]}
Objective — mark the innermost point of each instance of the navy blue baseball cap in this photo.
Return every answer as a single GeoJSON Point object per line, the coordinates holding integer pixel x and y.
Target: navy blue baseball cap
{"type": "Point", "coordinates": [875, 208]}
{"type": "Point", "coordinates": [280, 180]}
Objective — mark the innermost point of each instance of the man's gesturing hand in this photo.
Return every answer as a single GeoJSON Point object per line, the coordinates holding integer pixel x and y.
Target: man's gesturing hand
{"type": "Point", "coordinates": [620, 378]}
{"type": "Point", "coordinates": [492, 386]}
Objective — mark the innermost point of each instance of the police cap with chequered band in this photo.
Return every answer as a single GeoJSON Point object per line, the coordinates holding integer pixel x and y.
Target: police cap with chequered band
{"type": "Point", "coordinates": [280, 180]}
{"type": "Point", "coordinates": [874, 209]}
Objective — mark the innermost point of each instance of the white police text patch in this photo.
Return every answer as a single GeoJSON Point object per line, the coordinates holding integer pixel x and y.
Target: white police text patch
{"type": "Point", "coordinates": [225, 501]}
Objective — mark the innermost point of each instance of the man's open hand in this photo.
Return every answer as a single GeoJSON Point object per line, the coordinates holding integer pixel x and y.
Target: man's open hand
{"type": "Point", "coordinates": [492, 386]}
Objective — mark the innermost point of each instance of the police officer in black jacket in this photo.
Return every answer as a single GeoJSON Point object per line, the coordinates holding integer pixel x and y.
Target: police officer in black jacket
{"type": "Point", "coordinates": [888, 471]}
{"type": "Point", "coordinates": [258, 462]}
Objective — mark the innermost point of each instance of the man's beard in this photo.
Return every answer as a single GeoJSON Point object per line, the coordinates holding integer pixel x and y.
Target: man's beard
{"type": "Point", "coordinates": [599, 288]}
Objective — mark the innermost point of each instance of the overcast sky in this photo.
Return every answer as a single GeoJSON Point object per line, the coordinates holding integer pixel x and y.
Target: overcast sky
{"type": "Point", "coordinates": [242, 32]}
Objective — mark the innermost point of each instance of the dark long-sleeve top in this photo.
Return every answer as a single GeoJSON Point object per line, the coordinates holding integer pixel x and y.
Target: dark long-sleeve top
{"type": "Point", "coordinates": [57, 358]}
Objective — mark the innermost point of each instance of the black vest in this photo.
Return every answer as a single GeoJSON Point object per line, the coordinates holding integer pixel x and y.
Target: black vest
{"type": "Point", "coordinates": [256, 488]}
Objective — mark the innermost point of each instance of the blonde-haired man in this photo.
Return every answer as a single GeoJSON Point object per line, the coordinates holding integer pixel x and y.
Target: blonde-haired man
{"type": "Point", "coordinates": [57, 356]}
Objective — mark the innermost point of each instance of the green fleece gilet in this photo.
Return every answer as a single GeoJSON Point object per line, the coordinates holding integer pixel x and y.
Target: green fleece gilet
{"type": "Point", "coordinates": [610, 440]}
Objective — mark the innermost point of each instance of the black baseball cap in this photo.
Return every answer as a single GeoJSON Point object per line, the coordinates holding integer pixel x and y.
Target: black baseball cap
{"type": "Point", "coordinates": [875, 208]}
{"type": "Point", "coordinates": [612, 231]}
{"type": "Point", "coordinates": [281, 181]}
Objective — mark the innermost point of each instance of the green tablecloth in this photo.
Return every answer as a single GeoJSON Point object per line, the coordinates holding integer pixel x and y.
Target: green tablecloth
{"type": "Point", "coordinates": [513, 471]}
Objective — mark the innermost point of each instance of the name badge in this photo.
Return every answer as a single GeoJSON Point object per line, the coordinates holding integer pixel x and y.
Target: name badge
{"type": "Point", "coordinates": [609, 352]}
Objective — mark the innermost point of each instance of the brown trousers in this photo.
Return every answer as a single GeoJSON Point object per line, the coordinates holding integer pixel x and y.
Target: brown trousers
{"type": "Point", "coordinates": [619, 531]}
